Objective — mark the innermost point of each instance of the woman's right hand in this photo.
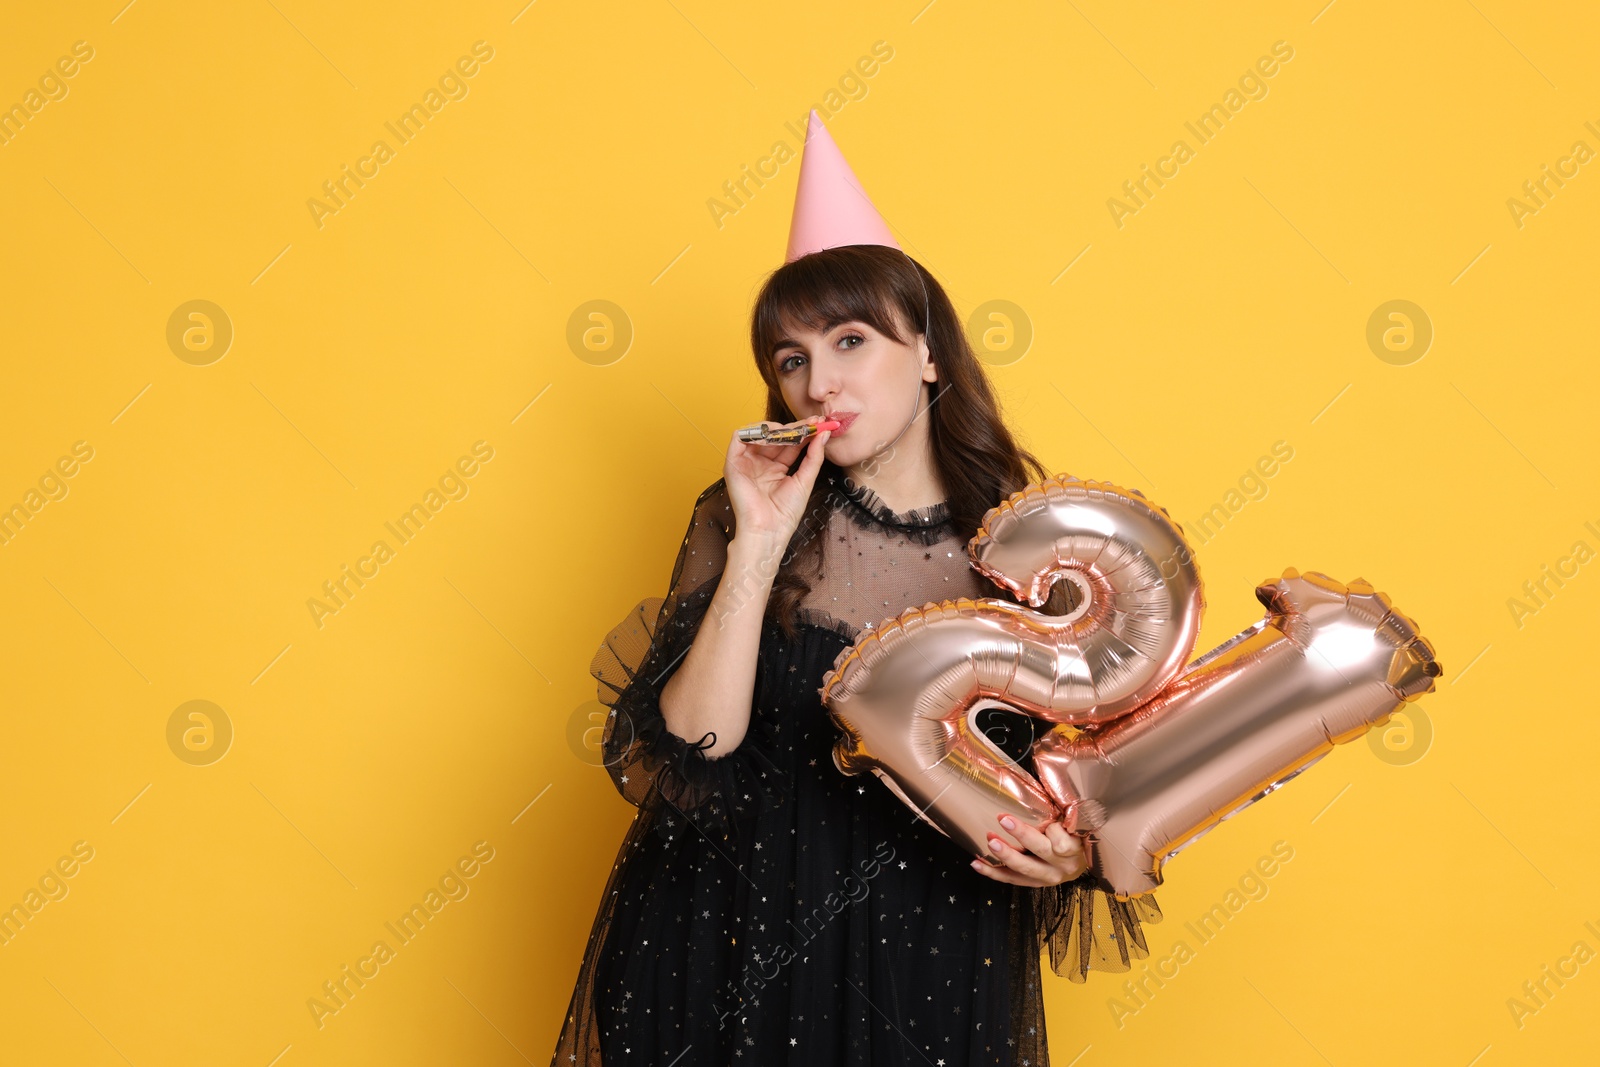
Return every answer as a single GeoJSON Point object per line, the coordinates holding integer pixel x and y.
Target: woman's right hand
{"type": "Point", "coordinates": [767, 501]}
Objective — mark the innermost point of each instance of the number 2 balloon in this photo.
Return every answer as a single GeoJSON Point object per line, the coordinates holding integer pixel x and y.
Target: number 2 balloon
{"type": "Point", "coordinates": [1145, 755]}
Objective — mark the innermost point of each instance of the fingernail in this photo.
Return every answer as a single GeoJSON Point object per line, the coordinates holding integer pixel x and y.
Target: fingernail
{"type": "Point", "coordinates": [1008, 822]}
{"type": "Point", "coordinates": [997, 844]}
{"type": "Point", "coordinates": [977, 865]}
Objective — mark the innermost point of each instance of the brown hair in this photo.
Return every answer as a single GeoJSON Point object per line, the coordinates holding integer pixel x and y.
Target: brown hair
{"type": "Point", "coordinates": [977, 459]}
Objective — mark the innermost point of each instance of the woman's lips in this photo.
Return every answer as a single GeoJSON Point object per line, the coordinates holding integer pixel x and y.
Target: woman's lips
{"type": "Point", "coordinates": [843, 418]}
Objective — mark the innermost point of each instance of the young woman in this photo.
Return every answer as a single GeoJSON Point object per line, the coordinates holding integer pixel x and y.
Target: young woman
{"type": "Point", "coordinates": [764, 908]}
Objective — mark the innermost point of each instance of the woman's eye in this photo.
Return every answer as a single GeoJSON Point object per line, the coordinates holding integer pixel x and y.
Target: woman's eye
{"type": "Point", "coordinates": [785, 368]}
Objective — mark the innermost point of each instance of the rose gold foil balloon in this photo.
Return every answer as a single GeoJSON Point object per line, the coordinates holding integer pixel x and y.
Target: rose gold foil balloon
{"type": "Point", "coordinates": [1156, 758]}
{"type": "Point", "coordinates": [906, 694]}
{"type": "Point", "coordinates": [1326, 664]}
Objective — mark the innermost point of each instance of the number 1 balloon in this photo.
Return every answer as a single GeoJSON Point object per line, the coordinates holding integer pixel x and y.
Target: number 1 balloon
{"type": "Point", "coordinates": [1151, 755]}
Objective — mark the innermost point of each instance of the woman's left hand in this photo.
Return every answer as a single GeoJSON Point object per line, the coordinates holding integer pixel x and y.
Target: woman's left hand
{"type": "Point", "coordinates": [1052, 857]}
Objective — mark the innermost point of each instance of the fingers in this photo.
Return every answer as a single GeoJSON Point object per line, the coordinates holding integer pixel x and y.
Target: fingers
{"type": "Point", "coordinates": [1061, 842]}
{"type": "Point", "coordinates": [1067, 849]}
{"type": "Point", "coordinates": [1023, 863]}
{"type": "Point", "coordinates": [1047, 857]}
{"type": "Point", "coordinates": [813, 461]}
{"type": "Point", "coordinates": [1028, 837]}
{"type": "Point", "coordinates": [1003, 874]}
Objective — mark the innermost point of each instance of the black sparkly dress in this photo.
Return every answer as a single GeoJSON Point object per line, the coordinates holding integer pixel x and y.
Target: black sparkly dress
{"type": "Point", "coordinates": [766, 909]}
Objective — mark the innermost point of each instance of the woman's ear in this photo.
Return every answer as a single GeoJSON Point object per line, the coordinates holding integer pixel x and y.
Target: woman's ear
{"type": "Point", "coordinates": [930, 372]}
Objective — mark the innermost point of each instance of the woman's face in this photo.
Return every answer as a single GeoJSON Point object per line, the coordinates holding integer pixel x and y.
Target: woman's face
{"type": "Point", "coordinates": [868, 380]}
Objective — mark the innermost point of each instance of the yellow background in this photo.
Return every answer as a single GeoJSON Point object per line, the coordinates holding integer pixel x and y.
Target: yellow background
{"type": "Point", "coordinates": [437, 709]}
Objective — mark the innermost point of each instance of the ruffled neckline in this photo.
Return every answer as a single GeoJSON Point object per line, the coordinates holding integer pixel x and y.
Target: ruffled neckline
{"type": "Point", "coordinates": [863, 502]}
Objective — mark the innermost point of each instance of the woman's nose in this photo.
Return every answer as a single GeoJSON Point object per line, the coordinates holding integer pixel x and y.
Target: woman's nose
{"type": "Point", "coordinates": [824, 381]}
{"type": "Point", "coordinates": [824, 397]}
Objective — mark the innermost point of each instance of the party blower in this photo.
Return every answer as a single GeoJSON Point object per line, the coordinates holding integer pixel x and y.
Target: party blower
{"type": "Point", "coordinates": [1146, 755]}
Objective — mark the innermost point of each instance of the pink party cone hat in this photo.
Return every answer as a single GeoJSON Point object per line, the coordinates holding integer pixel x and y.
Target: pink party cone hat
{"type": "Point", "coordinates": [830, 207]}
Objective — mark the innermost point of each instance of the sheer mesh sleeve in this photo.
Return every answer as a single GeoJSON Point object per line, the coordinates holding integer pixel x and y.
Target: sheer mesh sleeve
{"type": "Point", "coordinates": [649, 764]}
